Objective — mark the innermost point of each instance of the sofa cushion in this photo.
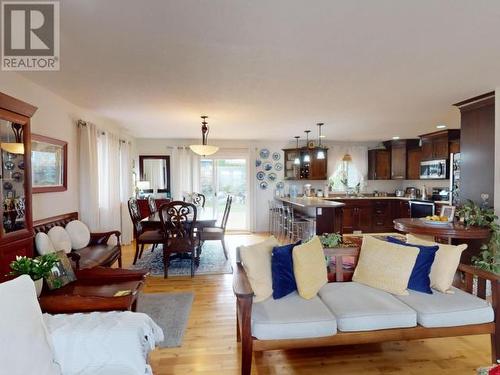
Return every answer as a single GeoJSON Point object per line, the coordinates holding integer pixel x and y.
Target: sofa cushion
{"type": "Point", "coordinates": [384, 265]}
{"type": "Point", "coordinates": [26, 345]}
{"type": "Point", "coordinates": [43, 244]}
{"type": "Point", "coordinates": [79, 234]}
{"type": "Point", "coordinates": [358, 307]}
{"type": "Point", "coordinates": [256, 260]}
{"type": "Point", "coordinates": [98, 255]}
{"type": "Point", "coordinates": [60, 239]}
{"type": "Point", "coordinates": [292, 317]}
{"type": "Point", "coordinates": [448, 310]}
{"type": "Point", "coordinates": [282, 270]}
{"type": "Point", "coordinates": [419, 278]}
{"type": "Point", "coordinates": [445, 264]}
{"type": "Point", "coordinates": [309, 267]}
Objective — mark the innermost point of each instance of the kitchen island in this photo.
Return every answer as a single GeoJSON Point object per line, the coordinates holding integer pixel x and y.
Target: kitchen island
{"type": "Point", "coordinates": [328, 213]}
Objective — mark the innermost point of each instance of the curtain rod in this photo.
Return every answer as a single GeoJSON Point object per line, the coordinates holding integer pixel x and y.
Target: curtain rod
{"type": "Point", "coordinates": [101, 132]}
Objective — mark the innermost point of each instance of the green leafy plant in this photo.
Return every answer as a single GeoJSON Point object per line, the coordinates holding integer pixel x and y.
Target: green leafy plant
{"type": "Point", "coordinates": [36, 268]}
{"type": "Point", "coordinates": [330, 240]}
{"type": "Point", "coordinates": [474, 215]}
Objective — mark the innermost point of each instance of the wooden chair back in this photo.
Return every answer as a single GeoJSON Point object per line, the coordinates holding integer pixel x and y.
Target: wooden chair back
{"type": "Point", "coordinates": [135, 216]}
{"type": "Point", "coordinates": [198, 199]}
{"type": "Point", "coordinates": [152, 205]}
{"type": "Point", "coordinates": [178, 220]}
{"type": "Point", "coordinates": [227, 209]}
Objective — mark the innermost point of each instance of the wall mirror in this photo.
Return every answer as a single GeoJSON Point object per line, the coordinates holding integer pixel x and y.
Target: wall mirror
{"type": "Point", "coordinates": [155, 169]}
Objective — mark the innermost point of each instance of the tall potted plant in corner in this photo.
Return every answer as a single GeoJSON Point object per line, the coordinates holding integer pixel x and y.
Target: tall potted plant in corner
{"type": "Point", "coordinates": [36, 268]}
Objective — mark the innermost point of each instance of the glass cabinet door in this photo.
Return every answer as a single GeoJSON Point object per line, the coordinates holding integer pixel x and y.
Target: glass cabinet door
{"type": "Point", "coordinates": [12, 177]}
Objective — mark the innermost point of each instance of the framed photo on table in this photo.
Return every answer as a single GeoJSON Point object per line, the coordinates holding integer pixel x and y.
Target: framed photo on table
{"type": "Point", "coordinates": [49, 164]}
{"type": "Point", "coordinates": [448, 212]}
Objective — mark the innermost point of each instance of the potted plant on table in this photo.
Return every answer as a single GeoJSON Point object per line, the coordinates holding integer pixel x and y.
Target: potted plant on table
{"type": "Point", "coordinates": [472, 214]}
{"type": "Point", "coordinates": [37, 268]}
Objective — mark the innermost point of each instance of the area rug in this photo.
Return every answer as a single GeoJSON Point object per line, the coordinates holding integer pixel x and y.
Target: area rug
{"type": "Point", "coordinates": [170, 311]}
{"type": "Point", "coordinates": [212, 262]}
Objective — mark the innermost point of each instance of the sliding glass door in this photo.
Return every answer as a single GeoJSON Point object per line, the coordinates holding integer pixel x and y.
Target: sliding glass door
{"type": "Point", "coordinates": [220, 178]}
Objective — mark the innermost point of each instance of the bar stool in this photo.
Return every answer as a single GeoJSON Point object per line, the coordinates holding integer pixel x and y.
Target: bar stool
{"type": "Point", "coordinates": [298, 228]}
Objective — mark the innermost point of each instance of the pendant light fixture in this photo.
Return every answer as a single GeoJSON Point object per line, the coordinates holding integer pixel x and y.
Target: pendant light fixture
{"type": "Point", "coordinates": [204, 149]}
{"type": "Point", "coordinates": [321, 152]}
{"type": "Point", "coordinates": [296, 161]}
{"type": "Point", "coordinates": [307, 157]}
{"type": "Point", "coordinates": [16, 147]}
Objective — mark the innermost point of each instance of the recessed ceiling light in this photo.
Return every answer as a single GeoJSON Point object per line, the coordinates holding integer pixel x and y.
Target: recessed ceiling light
{"type": "Point", "coordinates": [396, 137]}
{"type": "Point", "coordinates": [441, 126]}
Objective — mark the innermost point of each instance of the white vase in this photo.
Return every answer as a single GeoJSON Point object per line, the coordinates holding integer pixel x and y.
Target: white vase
{"type": "Point", "coordinates": [38, 286]}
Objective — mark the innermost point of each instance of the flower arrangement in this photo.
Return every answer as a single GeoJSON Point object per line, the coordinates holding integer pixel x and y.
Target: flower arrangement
{"type": "Point", "coordinates": [36, 268]}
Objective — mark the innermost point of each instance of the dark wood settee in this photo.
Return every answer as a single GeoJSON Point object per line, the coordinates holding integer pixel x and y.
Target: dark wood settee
{"type": "Point", "coordinates": [97, 253]}
{"type": "Point", "coordinates": [464, 280]}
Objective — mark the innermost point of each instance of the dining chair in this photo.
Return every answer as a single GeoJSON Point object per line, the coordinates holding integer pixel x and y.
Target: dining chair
{"type": "Point", "coordinates": [142, 237]}
{"type": "Point", "coordinates": [178, 219]}
{"type": "Point", "coordinates": [198, 199]}
{"type": "Point", "coordinates": [152, 205]}
{"type": "Point", "coordinates": [217, 233]}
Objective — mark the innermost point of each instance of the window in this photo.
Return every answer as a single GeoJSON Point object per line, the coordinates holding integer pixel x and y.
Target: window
{"type": "Point", "coordinates": [345, 177]}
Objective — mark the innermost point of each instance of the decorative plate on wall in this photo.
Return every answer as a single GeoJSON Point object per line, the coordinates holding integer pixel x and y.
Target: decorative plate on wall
{"type": "Point", "coordinates": [278, 166]}
{"type": "Point", "coordinates": [268, 166]}
{"type": "Point", "coordinates": [9, 165]}
{"type": "Point", "coordinates": [263, 185]}
{"type": "Point", "coordinates": [280, 185]}
{"type": "Point", "coordinates": [276, 156]}
{"type": "Point", "coordinates": [260, 175]}
{"type": "Point", "coordinates": [20, 165]}
{"type": "Point", "coordinates": [258, 163]}
{"type": "Point", "coordinates": [17, 176]}
{"type": "Point", "coordinates": [272, 176]}
{"type": "Point", "coordinates": [264, 153]}
{"type": "Point", "coordinates": [7, 185]}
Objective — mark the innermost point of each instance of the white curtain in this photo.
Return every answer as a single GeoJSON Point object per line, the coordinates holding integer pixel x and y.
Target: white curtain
{"type": "Point", "coordinates": [335, 155]}
{"type": "Point", "coordinates": [89, 180]}
{"type": "Point", "coordinates": [126, 185]}
{"type": "Point", "coordinates": [109, 181]}
{"type": "Point", "coordinates": [185, 172]}
{"type": "Point", "coordinates": [359, 156]}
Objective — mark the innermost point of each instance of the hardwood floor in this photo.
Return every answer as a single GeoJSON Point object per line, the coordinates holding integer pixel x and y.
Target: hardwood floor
{"type": "Point", "coordinates": [209, 345]}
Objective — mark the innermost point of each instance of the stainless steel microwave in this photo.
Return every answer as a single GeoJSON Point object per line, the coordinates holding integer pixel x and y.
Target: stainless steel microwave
{"type": "Point", "coordinates": [434, 170]}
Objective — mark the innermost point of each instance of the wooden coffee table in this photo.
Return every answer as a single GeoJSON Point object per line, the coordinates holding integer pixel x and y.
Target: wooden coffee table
{"type": "Point", "coordinates": [94, 290]}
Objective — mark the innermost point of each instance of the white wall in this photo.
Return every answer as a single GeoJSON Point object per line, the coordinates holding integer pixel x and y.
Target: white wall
{"type": "Point", "coordinates": [497, 152]}
{"type": "Point", "coordinates": [54, 118]}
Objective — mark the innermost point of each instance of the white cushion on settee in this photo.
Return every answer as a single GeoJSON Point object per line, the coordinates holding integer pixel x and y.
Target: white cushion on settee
{"type": "Point", "coordinates": [292, 317]}
{"type": "Point", "coordinates": [358, 307]}
{"type": "Point", "coordinates": [448, 310]}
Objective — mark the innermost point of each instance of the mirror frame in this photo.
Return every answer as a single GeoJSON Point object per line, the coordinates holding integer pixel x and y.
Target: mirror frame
{"type": "Point", "coordinates": [156, 157]}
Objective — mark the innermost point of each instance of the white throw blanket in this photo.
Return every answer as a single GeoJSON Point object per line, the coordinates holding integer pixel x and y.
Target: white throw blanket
{"type": "Point", "coordinates": [103, 343]}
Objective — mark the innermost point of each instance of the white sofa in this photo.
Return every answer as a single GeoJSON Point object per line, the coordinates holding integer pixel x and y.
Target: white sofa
{"type": "Point", "coordinates": [100, 343]}
{"type": "Point", "coordinates": [346, 313]}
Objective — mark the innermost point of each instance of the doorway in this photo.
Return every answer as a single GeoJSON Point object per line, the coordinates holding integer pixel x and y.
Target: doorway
{"type": "Point", "coordinates": [220, 177]}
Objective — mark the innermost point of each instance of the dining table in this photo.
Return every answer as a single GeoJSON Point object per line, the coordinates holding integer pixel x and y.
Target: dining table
{"type": "Point", "coordinates": [205, 217]}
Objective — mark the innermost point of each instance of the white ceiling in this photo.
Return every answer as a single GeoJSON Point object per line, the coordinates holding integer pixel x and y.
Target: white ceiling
{"type": "Point", "coordinates": [270, 69]}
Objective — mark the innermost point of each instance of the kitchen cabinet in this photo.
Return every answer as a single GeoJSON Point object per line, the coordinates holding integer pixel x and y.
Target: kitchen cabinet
{"type": "Point", "coordinates": [382, 215]}
{"type": "Point", "coordinates": [438, 145]}
{"type": "Point", "coordinates": [357, 215]}
{"type": "Point", "coordinates": [414, 157]}
{"type": "Point", "coordinates": [379, 164]}
{"type": "Point", "coordinates": [399, 156]}
{"type": "Point", "coordinates": [314, 169]}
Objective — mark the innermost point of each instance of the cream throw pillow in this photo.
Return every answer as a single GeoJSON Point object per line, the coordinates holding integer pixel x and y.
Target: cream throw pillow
{"type": "Point", "coordinates": [256, 260]}
{"type": "Point", "coordinates": [445, 264]}
{"type": "Point", "coordinates": [384, 265]}
{"type": "Point", "coordinates": [309, 268]}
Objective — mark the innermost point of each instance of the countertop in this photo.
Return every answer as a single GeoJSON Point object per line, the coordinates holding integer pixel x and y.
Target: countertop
{"type": "Point", "coordinates": [337, 201]}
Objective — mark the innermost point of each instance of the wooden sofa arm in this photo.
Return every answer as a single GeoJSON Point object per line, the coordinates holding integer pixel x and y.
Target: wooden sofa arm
{"type": "Point", "coordinates": [75, 303]}
{"type": "Point", "coordinates": [241, 285]}
{"type": "Point", "coordinates": [483, 274]}
{"type": "Point", "coordinates": [102, 238]}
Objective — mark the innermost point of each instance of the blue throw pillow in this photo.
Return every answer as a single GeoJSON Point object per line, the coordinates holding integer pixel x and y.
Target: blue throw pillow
{"type": "Point", "coordinates": [419, 278]}
{"type": "Point", "coordinates": [282, 270]}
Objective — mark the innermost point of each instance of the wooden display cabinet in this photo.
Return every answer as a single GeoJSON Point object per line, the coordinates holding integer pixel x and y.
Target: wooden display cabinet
{"type": "Point", "coordinates": [16, 231]}
{"type": "Point", "coordinates": [314, 169]}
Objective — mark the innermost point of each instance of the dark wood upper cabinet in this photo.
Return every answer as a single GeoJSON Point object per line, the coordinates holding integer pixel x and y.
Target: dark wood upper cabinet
{"type": "Point", "coordinates": [399, 156]}
{"type": "Point", "coordinates": [315, 169]}
{"type": "Point", "coordinates": [438, 145]}
{"type": "Point", "coordinates": [414, 157]}
{"type": "Point", "coordinates": [379, 164]}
